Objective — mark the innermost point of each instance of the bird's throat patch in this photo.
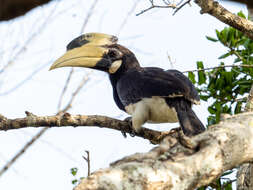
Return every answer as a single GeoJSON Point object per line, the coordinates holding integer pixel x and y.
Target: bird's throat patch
{"type": "Point", "coordinates": [115, 66]}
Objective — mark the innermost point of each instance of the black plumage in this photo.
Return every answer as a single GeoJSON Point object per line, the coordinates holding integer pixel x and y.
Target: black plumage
{"type": "Point", "coordinates": [149, 94]}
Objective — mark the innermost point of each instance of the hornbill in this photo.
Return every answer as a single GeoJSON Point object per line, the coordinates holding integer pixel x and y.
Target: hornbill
{"type": "Point", "coordinates": [149, 94]}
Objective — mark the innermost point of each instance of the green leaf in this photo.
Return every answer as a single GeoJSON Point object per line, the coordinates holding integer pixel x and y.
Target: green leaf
{"type": "Point", "coordinates": [224, 55]}
{"type": "Point", "coordinates": [224, 36]}
{"type": "Point", "coordinates": [227, 186]}
{"type": "Point", "coordinates": [238, 107]}
{"type": "Point", "coordinates": [211, 39]}
{"type": "Point", "coordinates": [211, 110]}
{"type": "Point", "coordinates": [240, 14]}
{"type": "Point", "coordinates": [227, 172]}
{"type": "Point", "coordinates": [73, 171]}
{"type": "Point", "coordinates": [204, 97]}
{"type": "Point", "coordinates": [201, 74]}
{"type": "Point", "coordinates": [74, 181]}
{"type": "Point", "coordinates": [218, 34]}
{"type": "Point", "coordinates": [211, 120]}
{"type": "Point", "coordinates": [191, 76]}
{"type": "Point", "coordinates": [228, 78]}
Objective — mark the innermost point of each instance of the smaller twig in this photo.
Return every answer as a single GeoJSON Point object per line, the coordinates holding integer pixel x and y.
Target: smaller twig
{"type": "Point", "coordinates": [221, 66]}
{"type": "Point", "coordinates": [240, 99]}
{"type": "Point", "coordinates": [91, 10]}
{"type": "Point", "coordinates": [65, 88]}
{"type": "Point", "coordinates": [173, 6]}
{"type": "Point", "coordinates": [181, 6]}
{"type": "Point", "coordinates": [87, 159]}
{"type": "Point", "coordinates": [69, 105]}
{"type": "Point", "coordinates": [166, 2]}
{"type": "Point", "coordinates": [127, 16]}
{"type": "Point", "coordinates": [170, 60]}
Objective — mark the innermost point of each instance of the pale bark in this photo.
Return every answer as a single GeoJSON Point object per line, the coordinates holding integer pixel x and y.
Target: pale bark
{"type": "Point", "coordinates": [179, 162]}
{"type": "Point", "coordinates": [66, 119]}
{"type": "Point", "coordinates": [245, 171]}
{"type": "Point", "coordinates": [215, 9]}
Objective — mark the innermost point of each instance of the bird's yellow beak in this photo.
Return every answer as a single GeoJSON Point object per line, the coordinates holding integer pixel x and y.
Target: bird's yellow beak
{"type": "Point", "coordinates": [87, 50]}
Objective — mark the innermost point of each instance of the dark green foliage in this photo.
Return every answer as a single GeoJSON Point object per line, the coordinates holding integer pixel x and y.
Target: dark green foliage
{"type": "Point", "coordinates": [227, 86]}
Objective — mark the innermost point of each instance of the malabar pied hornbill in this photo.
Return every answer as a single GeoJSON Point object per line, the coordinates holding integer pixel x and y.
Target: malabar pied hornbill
{"type": "Point", "coordinates": [149, 94]}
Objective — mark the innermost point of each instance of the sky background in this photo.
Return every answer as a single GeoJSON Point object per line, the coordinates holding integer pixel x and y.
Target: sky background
{"type": "Point", "coordinates": [32, 42]}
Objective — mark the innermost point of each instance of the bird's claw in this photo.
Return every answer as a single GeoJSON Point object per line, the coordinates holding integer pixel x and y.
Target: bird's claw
{"type": "Point", "coordinates": [132, 133]}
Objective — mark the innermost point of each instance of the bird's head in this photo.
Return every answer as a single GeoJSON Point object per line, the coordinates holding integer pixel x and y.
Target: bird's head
{"type": "Point", "coordinates": [98, 51]}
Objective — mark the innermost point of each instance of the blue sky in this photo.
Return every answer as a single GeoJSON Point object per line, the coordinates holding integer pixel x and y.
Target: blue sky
{"type": "Point", "coordinates": [28, 85]}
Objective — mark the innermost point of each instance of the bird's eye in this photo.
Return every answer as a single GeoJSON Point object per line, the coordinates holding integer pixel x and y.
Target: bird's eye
{"type": "Point", "coordinates": [112, 53]}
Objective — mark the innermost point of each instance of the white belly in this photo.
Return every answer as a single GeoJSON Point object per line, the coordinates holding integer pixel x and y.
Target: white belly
{"type": "Point", "coordinates": [156, 110]}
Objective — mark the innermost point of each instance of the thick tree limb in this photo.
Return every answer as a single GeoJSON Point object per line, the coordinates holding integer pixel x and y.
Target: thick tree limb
{"type": "Point", "coordinates": [215, 9]}
{"type": "Point", "coordinates": [179, 162]}
{"type": "Point", "coordinates": [245, 171]}
{"type": "Point", "coordinates": [66, 119]}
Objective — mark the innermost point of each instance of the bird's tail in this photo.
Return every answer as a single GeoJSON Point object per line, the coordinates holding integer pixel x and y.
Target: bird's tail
{"type": "Point", "coordinates": [190, 123]}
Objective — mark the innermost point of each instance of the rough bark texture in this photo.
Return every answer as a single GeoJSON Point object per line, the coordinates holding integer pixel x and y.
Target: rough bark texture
{"type": "Point", "coordinates": [249, 4]}
{"type": "Point", "coordinates": [245, 171]}
{"type": "Point", "coordinates": [10, 9]}
{"type": "Point", "coordinates": [179, 162]}
{"type": "Point", "coordinates": [215, 9]}
{"type": "Point", "coordinates": [67, 119]}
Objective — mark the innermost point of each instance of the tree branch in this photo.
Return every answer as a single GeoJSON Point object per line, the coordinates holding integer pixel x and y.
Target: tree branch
{"type": "Point", "coordinates": [67, 119]}
{"type": "Point", "coordinates": [218, 67]}
{"type": "Point", "coordinates": [180, 162]}
{"type": "Point", "coordinates": [215, 9]}
{"type": "Point", "coordinates": [245, 171]}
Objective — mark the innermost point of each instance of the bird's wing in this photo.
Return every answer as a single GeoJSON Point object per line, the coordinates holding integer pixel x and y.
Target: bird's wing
{"type": "Point", "coordinates": [154, 82]}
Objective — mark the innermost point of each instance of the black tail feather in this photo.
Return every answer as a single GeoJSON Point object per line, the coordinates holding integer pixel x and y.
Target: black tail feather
{"type": "Point", "coordinates": [190, 123]}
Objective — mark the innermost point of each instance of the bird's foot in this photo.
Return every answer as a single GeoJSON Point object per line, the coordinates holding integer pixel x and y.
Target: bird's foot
{"type": "Point", "coordinates": [132, 133]}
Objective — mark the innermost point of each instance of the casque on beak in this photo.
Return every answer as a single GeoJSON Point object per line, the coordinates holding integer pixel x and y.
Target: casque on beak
{"type": "Point", "coordinates": [88, 50]}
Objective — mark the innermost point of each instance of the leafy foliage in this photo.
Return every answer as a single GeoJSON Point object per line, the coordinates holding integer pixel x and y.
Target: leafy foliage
{"type": "Point", "coordinates": [226, 87]}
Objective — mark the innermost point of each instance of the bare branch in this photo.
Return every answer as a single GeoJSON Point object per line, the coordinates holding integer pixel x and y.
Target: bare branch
{"type": "Point", "coordinates": [65, 88]}
{"type": "Point", "coordinates": [218, 67]}
{"type": "Point", "coordinates": [166, 4]}
{"type": "Point", "coordinates": [87, 159]}
{"type": "Point", "coordinates": [69, 105]}
{"type": "Point", "coordinates": [67, 119]}
{"type": "Point", "coordinates": [181, 6]}
{"type": "Point", "coordinates": [22, 151]}
{"type": "Point", "coordinates": [30, 39]}
{"type": "Point", "coordinates": [173, 6]}
{"type": "Point", "coordinates": [215, 9]}
{"type": "Point", "coordinates": [91, 10]}
{"type": "Point", "coordinates": [127, 16]}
